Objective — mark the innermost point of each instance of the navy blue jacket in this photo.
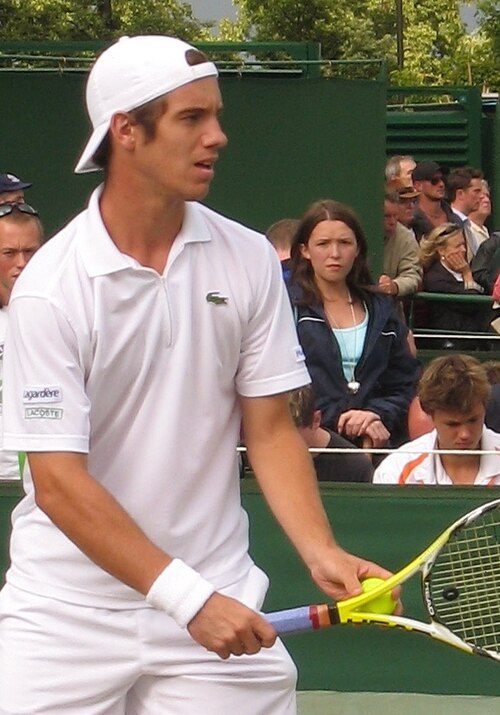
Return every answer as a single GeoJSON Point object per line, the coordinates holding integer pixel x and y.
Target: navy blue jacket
{"type": "Point", "coordinates": [386, 371]}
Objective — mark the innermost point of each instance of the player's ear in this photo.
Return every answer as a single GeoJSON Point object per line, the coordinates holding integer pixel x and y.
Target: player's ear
{"type": "Point", "coordinates": [316, 421]}
{"type": "Point", "coordinates": [123, 130]}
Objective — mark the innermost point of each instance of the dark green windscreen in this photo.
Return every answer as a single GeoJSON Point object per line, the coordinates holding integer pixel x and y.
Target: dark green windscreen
{"type": "Point", "coordinates": [292, 140]}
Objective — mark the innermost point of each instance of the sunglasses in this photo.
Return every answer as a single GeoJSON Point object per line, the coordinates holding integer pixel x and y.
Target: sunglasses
{"type": "Point", "coordinates": [7, 209]}
{"type": "Point", "coordinates": [449, 229]}
{"type": "Point", "coordinates": [437, 179]}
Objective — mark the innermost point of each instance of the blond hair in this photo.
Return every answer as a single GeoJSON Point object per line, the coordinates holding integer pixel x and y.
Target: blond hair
{"type": "Point", "coordinates": [433, 241]}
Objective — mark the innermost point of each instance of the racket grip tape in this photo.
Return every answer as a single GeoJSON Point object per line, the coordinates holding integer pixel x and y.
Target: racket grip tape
{"type": "Point", "coordinates": [304, 618]}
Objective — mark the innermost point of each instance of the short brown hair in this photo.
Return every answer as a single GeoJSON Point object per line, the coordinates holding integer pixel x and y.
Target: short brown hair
{"type": "Point", "coordinates": [281, 233]}
{"type": "Point", "coordinates": [301, 404]}
{"type": "Point", "coordinates": [453, 382]}
{"type": "Point", "coordinates": [461, 178]}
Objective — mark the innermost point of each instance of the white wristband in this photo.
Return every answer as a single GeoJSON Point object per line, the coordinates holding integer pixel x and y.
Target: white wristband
{"type": "Point", "coordinates": [180, 591]}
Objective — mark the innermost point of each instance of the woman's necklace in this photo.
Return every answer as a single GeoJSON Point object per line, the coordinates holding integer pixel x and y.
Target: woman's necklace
{"type": "Point", "coordinates": [352, 384]}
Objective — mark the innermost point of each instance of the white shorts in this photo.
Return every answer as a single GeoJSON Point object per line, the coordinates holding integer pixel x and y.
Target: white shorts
{"type": "Point", "coordinates": [57, 657]}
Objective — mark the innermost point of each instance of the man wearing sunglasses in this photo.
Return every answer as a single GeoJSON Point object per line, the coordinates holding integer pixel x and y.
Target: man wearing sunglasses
{"type": "Point", "coordinates": [20, 238]}
{"type": "Point", "coordinates": [432, 209]}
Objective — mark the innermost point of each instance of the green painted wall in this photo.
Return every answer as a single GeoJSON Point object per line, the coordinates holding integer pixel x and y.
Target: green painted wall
{"type": "Point", "coordinates": [292, 140]}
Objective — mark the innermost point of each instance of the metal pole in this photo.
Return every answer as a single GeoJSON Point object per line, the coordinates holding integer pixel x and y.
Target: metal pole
{"type": "Point", "coordinates": [399, 33]}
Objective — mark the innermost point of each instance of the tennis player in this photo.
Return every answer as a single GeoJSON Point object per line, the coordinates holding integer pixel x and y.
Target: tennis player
{"type": "Point", "coordinates": [142, 335]}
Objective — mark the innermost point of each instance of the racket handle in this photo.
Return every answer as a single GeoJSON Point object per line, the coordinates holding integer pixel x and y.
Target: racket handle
{"type": "Point", "coordinates": [299, 620]}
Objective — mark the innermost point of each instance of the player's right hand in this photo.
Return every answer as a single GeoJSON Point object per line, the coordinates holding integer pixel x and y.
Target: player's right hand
{"type": "Point", "coordinates": [227, 627]}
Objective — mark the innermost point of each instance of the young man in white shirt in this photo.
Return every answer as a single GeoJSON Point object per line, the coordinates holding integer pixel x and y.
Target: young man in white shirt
{"type": "Point", "coordinates": [21, 235]}
{"type": "Point", "coordinates": [453, 391]}
{"type": "Point", "coordinates": [159, 327]}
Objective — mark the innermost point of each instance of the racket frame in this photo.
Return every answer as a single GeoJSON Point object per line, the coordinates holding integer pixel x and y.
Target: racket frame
{"type": "Point", "coordinates": [351, 610]}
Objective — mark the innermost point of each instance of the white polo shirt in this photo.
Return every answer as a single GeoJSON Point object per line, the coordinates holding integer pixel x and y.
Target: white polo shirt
{"type": "Point", "coordinates": [420, 467]}
{"type": "Point", "coordinates": [143, 371]}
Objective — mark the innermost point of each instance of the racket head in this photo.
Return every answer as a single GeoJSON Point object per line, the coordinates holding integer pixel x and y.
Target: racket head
{"type": "Point", "coordinates": [461, 583]}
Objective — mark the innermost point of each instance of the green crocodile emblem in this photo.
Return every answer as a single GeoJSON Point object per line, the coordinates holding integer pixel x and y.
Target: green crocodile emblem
{"type": "Point", "coordinates": [216, 298]}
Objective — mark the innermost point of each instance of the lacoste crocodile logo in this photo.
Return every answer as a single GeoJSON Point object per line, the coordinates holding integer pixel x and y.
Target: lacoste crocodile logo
{"type": "Point", "coordinates": [216, 298]}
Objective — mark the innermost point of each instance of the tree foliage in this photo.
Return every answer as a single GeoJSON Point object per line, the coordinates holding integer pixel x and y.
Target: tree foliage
{"type": "Point", "coordinates": [437, 48]}
{"type": "Point", "coordinates": [97, 20]}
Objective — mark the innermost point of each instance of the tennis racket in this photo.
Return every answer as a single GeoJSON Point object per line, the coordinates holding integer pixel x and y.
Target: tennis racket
{"type": "Point", "coordinates": [460, 578]}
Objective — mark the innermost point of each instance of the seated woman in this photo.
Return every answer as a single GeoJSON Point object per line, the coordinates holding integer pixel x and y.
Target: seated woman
{"type": "Point", "coordinates": [443, 256]}
{"type": "Point", "coordinates": [356, 348]}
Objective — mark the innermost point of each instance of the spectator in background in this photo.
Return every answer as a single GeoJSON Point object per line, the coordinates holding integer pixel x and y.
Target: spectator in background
{"type": "Point", "coordinates": [492, 419]}
{"type": "Point", "coordinates": [407, 201]}
{"type": "Point", "coordinates": [431, 210]}
{"type": "Point", "coordinates": [355, 346]}
{"type": "Point", "coordinates": [402, 271]}
{"type": "Point", "coordinates": [486, 263]}
{"type": "Point", "coordinates": [443, 257]}
{"type": "Point", "coordinates": [330, 467]}
{"type": "Point", "coordinates": [479, 217]}
{"type": "Point", "coordinates": [12, 189]}
{"type": "Point", "coordinates": [400, 167]}
{"type": "Point", "coordinates": [21, 235]}
{"type": "Point", "coordinates": [453, 391]}
{"type": "Point", "coordinates": [464, 192]}
{"type": "Point", "coordinates": [280, 234]}
{"type": "Point", "coordinates": [419, 422]}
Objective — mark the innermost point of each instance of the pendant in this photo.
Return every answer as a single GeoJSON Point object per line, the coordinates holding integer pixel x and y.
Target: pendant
{"type": "Point", "coordinates": [353, 386]}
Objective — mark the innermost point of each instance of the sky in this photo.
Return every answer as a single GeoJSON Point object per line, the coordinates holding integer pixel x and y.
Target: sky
{"type": "Point", "coordinates": [215, 9]}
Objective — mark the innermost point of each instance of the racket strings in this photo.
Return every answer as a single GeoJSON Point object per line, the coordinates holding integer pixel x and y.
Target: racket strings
{"type": "Point", "coordinates": [465, 582]}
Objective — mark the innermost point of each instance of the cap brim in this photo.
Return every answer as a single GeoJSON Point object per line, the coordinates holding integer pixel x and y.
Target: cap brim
{"type": "Point", "coordinates": [18, 186]}
{"type": "Point", "coordinates": [409, 194]}
{"type": "Point", "coordinates": [86, 163]}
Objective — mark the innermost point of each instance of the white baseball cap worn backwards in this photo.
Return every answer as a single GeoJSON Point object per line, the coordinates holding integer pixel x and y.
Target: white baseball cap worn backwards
{"type": "Point", "coordinates": [130, 73]}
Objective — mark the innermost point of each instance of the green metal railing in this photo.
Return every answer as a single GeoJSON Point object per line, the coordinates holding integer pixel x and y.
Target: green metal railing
{"type": "Point", "coordinates": [282, 58]}
{"type": "Point", "coordinates": [490, 340]}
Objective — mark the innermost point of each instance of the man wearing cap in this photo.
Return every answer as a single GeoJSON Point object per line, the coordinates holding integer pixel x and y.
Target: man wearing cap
{"type": "Point", "coordinates": [21, 235]}
{"type": "Point", "coordinates": [153, 328]}
{"type": "Point", "coordinates": [432, 209]}
{"type": "Point", "coordinates": [402, 271]}
{"type": "Point", "coordinates": [407, 200]}
{"type": "Point", "coordinates": [12, 189]}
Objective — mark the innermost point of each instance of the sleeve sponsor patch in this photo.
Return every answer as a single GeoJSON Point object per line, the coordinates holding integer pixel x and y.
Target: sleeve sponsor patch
{"type": "Point", "coordinates": [43, 413]}
{"type": "Point", "coordinates": [299, 354]}
{"type": "Point", "coordinates": [41, 394]}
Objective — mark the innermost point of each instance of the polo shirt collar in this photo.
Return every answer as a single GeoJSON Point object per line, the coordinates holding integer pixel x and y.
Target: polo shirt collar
{"type": "Point", "coordinates": [100, 254]}
{"type": "Point", "coordinates": [490, 463]}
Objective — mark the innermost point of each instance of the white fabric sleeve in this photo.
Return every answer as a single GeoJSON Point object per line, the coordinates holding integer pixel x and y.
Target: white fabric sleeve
{"type": "Point", "coordinates": [272, 359]}
{"type": "Point", "coordinates": [45, 405]}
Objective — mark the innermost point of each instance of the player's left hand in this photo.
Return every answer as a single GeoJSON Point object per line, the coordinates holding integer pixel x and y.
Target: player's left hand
{"type": "Point", "coordinates": [339, 574]}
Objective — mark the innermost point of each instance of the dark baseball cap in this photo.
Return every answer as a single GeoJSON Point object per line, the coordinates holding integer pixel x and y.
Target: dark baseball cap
{"type": "Point", "coordinates": [9, 182]}
{"type": "Point", "coordinates": [426, 171]}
